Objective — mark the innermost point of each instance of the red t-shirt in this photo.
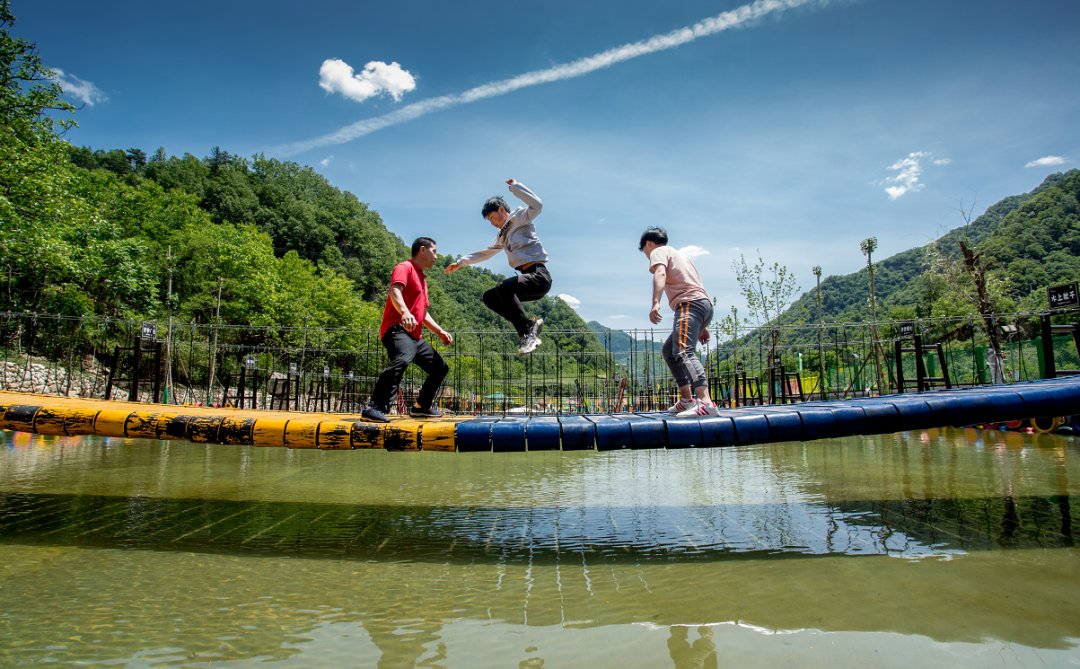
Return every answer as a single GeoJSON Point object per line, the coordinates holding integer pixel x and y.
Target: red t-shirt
{"type": "Point", "coordinates": [414, 292]}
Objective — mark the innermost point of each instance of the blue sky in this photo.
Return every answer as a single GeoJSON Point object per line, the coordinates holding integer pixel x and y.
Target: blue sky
{"type": "Point", "coordinates": [790, 128]}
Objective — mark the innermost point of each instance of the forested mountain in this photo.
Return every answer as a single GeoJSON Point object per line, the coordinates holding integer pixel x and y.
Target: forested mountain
{"type": "Point", "coordinates": [116, 233]}
{"type": "Point", "coordinates": [623, 346]}
{"type": "Point", "coordinates": [294, 205]}
{"type": "Point", "coordinates": [120, 234]}
{"type": "Point", "coordinates": [307, 221]}
{"type": "Point", "coordinates": [1027, 242]}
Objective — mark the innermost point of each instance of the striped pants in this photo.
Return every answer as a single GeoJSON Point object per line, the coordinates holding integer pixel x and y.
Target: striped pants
{"type": "Point", "coordinates": [680, 348]}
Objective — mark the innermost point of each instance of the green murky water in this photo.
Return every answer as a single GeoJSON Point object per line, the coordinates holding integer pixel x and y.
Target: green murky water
{"type": "Point", "coordinates": [946, 548]}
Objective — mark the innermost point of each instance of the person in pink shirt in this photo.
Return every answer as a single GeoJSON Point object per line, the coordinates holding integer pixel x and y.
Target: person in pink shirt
{"type": "Point", "coordinates": [675, 275]}
{"type": "Point", "coordinates": [405, 316]}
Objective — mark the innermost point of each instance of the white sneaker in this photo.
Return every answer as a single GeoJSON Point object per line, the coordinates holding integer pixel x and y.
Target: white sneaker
{"type": "Point", "coordinates": [529, 343]}
{"type": "Point", "coordinates": [682, 405]}
{"type": "Point", "coordinates": [700, 411]}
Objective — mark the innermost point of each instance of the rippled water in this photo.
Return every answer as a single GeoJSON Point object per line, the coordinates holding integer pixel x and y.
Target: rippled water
{"type": "Point", "coordinates": [941, 548]}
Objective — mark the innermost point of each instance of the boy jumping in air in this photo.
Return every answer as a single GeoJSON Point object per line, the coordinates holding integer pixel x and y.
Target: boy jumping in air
{"type": "Point", "coordinates": [516, 236]}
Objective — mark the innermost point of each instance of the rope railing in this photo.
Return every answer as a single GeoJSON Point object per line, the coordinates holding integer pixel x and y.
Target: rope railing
{"type": "Point", "coordinates": [574, 371]}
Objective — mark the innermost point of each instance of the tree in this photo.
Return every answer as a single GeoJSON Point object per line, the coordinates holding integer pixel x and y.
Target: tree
{"type": "Point", "coordinates": [868, 246]}
{"type": "Point", "coordinates": [985, 304]}
{"type": "Point", "coordinates": [987, 308]}
{"type": "Point", "coordinates": [235, 259]}
{"type": "Point", "coordinates": [188, 173]}
{"type": "Point", "coordinates": [36, 257]}
{"type": "Point", "coordinates": [28, 91]}
{"type": "Point", "coordinates": [229, 196]}
{"type": "Point", "coordinates": [821, 332]}
{"type": "Point", "coordinates": [116, 161]}
{"type": "Point", "coordinates": [766, 296]}
{"type": "Point", "coordinates": [137, 158]}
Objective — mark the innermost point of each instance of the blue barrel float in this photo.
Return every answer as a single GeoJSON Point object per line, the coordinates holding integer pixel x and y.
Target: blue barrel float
{"type": "Point", "coordinates": [1053, 400]}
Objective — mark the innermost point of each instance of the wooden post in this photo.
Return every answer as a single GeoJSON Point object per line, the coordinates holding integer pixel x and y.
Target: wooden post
{"type": "Point", "coordinates": [136, 359]}
{"type": "Point", "coordinates": [1049, 367]}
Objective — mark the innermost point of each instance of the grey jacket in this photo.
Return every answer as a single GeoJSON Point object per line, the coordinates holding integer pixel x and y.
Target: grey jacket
{"type": "Point", "coordinates": [518, 237]}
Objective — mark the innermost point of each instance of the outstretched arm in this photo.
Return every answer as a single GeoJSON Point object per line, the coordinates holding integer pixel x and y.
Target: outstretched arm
{"type": "Point", "coordinates": [473, 258]}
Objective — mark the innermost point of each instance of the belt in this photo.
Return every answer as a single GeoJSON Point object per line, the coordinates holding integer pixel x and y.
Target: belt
{"type": "Point", "coordinates": [527, 266]}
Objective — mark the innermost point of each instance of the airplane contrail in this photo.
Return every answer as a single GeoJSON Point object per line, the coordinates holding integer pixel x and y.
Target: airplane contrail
{"type": "Point", "coordinates": [704, 28]}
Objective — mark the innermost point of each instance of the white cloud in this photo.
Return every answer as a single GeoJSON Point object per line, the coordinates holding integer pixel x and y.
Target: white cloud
{"type": "Point", "coordinates": [570, 300]}
{"type": "Point", "coordinates": [712, 25]}
{"type": "Point", "coordinates": [83, 91]}
{"type": "Point", "coordinates": [617, 317]}
{"type": "Point", "coordinates": [325, 162]}
{"type": "Point", "coordinates": [1047, 161]}
{"type": "Point", "coordinates": [909, 172]}
{"type": "Point", "coordinates": [337, 76]}
{"type": "Point", "coordinates": [694, 251]}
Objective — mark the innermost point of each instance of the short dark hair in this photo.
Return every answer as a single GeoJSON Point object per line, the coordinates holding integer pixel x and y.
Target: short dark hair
{"type": "Point", "coordinates": [493, 204]}
{"type": "Point", "coordinates": [422, 243]}
{"type": "Point", "coordinates": [653, 234]}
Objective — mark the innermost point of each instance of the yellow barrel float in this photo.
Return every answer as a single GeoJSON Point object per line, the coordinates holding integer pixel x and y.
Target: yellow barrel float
{"type": "Point", "coordinates": [335, 435]}
{"type": "Point", "coordinates": [302, 433]}
{"type": "Point", "coordinates": [111, 422]}
{"type": "Point", "coordinates": [269, 431]}
{"type": "Point", "coordinates": [19, 417]}
{"type": "Point", "coordinates": [238, 430]}
{"type": "Point", "coordinates": [438, 436]}
{"type": "Point", "coordinates": [367, 435]}
{"type": "Point", "coordinates": [50, 420]}
{"type": "Point", "coordinates": [80, 420]}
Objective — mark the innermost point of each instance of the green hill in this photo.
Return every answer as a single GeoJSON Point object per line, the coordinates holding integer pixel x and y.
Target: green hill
{"type": "Point", "coordinates": [322, 228]}
{"type": "Point", "coordinates": [623, 347]}
{"type": "Point", "coordinates": [1027, 242]}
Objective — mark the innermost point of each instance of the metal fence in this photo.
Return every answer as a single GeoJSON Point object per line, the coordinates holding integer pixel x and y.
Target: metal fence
{"type": "Point", "coordinates": [574, 371]}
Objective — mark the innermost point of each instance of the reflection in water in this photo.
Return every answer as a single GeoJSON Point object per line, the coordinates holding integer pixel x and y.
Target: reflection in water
{"type": "Point", "coordinates": [698, 655]}
{"type": "Point", "coordinates": [166, 553]}
{"type": "Point", "coordinates": [542, 535]}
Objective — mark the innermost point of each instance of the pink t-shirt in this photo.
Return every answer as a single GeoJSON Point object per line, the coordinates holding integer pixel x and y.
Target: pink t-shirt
{"type": "Point", "coordinates": [683, 281]}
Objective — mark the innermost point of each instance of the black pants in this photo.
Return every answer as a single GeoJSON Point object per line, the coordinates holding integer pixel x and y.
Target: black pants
{"type": "Point", "coordinates": [505, 299]}
{"type": "Point", "coordinates": [403, 349]}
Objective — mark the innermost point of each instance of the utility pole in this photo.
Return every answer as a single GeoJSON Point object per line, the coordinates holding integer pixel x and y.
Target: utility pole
{"type": "Point", "coordinates": [168, 333]}
{"type": "Point", "coordinates": [213, 349]}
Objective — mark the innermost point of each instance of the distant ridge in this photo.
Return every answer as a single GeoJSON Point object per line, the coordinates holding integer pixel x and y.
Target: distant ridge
{"type": "Point", "coordinates": [621, 345]}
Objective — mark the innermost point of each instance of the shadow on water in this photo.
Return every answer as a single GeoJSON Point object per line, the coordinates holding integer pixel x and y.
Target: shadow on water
{"type": "Point", "coordinates": [619, 534]}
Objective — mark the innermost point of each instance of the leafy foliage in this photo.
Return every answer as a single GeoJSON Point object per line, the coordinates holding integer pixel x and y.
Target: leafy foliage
{"type": "Point", "coordinates": [224, 239]}
{"type": "Point", "coordinates": [264, 242]}
{"type": "Point", "coordinates": [1027, 242]}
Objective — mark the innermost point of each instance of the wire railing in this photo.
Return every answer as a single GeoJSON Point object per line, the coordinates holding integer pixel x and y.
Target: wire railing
{"type": "Point", "coordinates": [573, 371]}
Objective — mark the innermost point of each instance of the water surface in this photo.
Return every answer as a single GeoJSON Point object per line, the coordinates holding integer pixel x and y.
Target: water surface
{"type": "Point", "coordinates": [945, 548]}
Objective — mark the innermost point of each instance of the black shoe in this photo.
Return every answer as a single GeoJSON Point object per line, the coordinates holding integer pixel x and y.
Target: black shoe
{"type": "Point", "coordinates": [374, 415]}
{"type": "Point", "coordinates": [430, 412]}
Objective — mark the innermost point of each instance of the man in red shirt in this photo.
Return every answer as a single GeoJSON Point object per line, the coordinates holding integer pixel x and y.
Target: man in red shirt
{"type": "Point", "coordinates": [403, 321]}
